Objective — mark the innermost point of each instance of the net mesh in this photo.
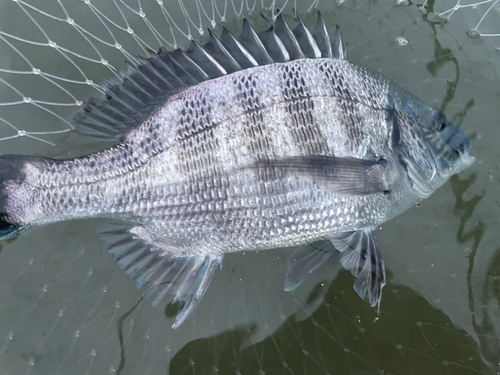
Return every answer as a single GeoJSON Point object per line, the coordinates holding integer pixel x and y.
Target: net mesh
{"type": "Point", "coordinates": [68, 309]}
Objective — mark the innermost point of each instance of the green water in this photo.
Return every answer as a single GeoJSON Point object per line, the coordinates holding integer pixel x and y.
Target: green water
{"type": "Point", "coordinates": [68, 309]}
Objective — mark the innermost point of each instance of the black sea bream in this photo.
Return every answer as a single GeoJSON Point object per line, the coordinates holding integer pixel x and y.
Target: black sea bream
{"type": "Point", "coordinates": [270, 140]}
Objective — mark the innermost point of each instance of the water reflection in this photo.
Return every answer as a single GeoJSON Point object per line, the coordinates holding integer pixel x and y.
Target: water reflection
{"type": "Point", "coordinates": [343, 336]}
{"type": "Point", "coordinates": [485, 320]}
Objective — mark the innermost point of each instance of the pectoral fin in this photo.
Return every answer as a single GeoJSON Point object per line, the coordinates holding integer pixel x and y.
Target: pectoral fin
{"type": "Point", "coordinates": [342, 175]}
{"type": "Point", "coordinates": [157, 272]}
{"type": "Point", "coordinates": [362, 256]}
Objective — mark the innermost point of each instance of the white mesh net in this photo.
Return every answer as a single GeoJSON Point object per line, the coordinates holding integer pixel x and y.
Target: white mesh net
{"type": "Point", "coordinates": [68, 309]}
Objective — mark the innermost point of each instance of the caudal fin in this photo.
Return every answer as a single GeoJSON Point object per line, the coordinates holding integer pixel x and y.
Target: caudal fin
{"type": "Point", "coordinates": [8, 230]}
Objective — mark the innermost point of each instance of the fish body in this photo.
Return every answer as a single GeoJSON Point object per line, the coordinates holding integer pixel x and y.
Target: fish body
{"type": "Point", "coordinates": [273, 155]}
{"type": "Point", "coordinates": [185, 172]}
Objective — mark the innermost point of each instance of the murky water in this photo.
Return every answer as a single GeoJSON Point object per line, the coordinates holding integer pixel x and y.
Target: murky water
{"type": "Point", "coordinates": [67, 307]}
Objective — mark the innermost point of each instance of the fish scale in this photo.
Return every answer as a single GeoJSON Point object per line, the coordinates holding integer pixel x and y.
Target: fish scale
{"type": "Point", "coordinates": [270, 140]}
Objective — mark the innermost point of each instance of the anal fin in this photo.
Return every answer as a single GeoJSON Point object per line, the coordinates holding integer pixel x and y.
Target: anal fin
{"type": "Point", "coordinates": [157, 272]}
{"type": "Point", "coordinates": [362, 256]}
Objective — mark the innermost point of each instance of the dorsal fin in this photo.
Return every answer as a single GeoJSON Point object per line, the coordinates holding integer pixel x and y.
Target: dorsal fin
{"type": "Point", "coordinates": [149, 83]}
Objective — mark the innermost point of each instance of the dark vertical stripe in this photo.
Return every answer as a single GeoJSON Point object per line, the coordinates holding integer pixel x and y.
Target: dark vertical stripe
{"type": "Point", "coordinates": [352, 122]}
{"type": "Point", "coordinates": [249, 99]}
{"type": "Point", "coordinates": [300, 108]}
{"type": "Point", "coordinates": [196, 135]}
{"type": "Point", "coordinates": [351, 117]}
{"type": "Point", "coordinates": [338, 83]}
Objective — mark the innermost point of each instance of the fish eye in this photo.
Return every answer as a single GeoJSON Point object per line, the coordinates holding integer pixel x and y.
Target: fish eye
{"type": "Point", "coordinates": [438, 120]}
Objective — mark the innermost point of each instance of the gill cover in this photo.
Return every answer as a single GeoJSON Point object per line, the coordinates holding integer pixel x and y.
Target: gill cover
{"type": "Point", "coordinates": [429, 145]}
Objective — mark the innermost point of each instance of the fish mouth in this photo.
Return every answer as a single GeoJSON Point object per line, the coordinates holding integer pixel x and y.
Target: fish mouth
{"type": "Point", "coordinates": [463, 161]}
{"type": "Point", "coordinates": [455, 138]}
{"type": "Point", "coordinates": [458, 143]}
{"type": "Point", "coordinates": [450, 157]}
{"type": "Point", "coordinates": [466, 161]}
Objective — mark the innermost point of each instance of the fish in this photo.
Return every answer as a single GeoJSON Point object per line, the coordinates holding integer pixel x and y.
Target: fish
{"type": "Point", "coordinates": [272, 139]}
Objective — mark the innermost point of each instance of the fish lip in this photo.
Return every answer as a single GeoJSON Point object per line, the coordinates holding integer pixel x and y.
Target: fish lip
{"type": "Point", "coordinates": [467, 160]}
{"type": "Point", "coordinates": [440, 178]}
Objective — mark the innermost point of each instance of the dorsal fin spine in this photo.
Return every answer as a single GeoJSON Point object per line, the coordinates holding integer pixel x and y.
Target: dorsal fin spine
{"type": "Point", "coordinates": [322, 37]}
{"type": "Point", "coordinates": [189, 65]}
{"type": "Point", "coordinates": [274, 45]}
{"type": "Point", "coordinates": [251, 41]}
{"type": "Point", "coordinates": [145, 69]}
{"type": "Point", "coordinates": [337, 47]}
{"type": "Point", "coordinates": [135, 93]}
{"type": "Point", "coordinates": [288, 38]}
{"type": "Point", "coordinates": [133, 79]}
{"type": "Point", "coordinates": [210, 65]}
{"type": "Point", "coordinates": [154, 59]}
{"type": "Point", "coordinates": [306, 40]}
{"type": "Point", "coordinates": [175, 70]}
{"type": "Point", "coordinates": [220, 53]}
{"type": "Point", "coordinates": [114, 88]}
{"type": "Point", "coordinates": [240, 53]}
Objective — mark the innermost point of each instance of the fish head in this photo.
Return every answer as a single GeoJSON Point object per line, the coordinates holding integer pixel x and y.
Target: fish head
{"type": "Point", "coordinates": [431, 146]}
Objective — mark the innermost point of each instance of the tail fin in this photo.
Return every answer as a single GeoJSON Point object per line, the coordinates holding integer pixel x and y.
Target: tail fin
{"type": "Point", "coordinates": [8, 230]}
{"type": "Point", "coordinates": [11, 171]}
